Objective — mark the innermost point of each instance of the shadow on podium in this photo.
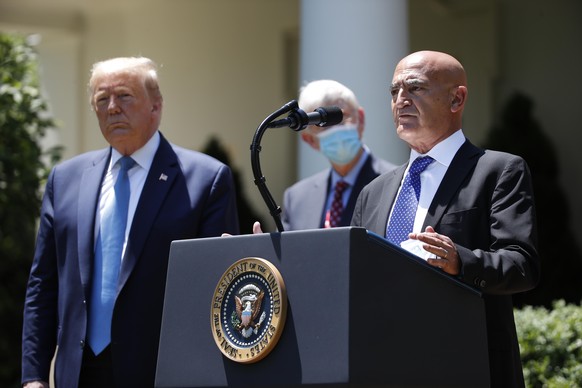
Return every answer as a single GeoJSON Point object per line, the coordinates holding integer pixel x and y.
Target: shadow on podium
{"type": "Point", "coordinates": [361, 312]}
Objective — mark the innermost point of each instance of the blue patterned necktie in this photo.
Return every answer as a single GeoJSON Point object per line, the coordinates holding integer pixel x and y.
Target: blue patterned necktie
{"type": "Point", "coordinates": [108, 252]}
{"type": "Point", "coordinates": [402, 219]}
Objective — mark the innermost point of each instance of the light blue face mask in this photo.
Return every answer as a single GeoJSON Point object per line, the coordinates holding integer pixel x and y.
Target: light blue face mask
{"type": "Point", "coordinates": [340, 144]}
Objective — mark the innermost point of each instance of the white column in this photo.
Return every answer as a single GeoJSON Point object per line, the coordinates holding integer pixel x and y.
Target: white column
{"type": "Point", "coordinates": [358, 43]}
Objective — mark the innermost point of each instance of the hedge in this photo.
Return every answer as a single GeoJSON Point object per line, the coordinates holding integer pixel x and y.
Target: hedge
{"type": "Point", "coordinates": [551, 345]}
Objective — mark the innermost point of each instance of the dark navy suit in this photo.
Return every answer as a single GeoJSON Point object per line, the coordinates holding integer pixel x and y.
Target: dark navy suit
{"type": "Point", "coordinates": [186, 195]}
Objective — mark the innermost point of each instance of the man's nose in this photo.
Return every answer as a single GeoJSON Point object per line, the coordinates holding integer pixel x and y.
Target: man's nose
{"type": "Point", "coordinates": [112, 106]}
{"type": "Point", "coordinates": [402, 98]}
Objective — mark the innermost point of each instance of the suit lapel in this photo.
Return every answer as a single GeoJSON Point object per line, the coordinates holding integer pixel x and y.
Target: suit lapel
{"type": "Point", "coordinates": [89, 189]}
{"type": "Point", "coordinates": [463, 163]}
{"type": "Point", "coordinates": [391, 183]}
{"type": "Point", "coordinates": [366, 175]}
{"type": "Point", "coordinates": [315, 202]}
{"type": "Point", "coordinates": [152, 197]}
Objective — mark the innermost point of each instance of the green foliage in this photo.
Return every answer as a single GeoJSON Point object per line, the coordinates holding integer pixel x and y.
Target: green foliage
{"type": "Point", "coordinates": [551, 345]}
{"type": "Point", "coordinates": [23, 123]}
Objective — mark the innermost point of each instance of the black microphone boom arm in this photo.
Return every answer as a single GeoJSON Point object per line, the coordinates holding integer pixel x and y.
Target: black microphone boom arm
{"type": "Point", "coordinates": [260, 180]}
{"type": "Point", "coordinates": [297, 120]}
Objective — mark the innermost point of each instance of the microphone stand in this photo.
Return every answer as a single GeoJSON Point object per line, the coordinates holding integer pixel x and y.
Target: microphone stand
{"type": "Point", "coordinates": [256, 165]}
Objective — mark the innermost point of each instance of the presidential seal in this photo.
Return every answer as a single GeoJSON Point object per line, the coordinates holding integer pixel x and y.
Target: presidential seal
{"type": "Point", "coordinates": [248, 311]}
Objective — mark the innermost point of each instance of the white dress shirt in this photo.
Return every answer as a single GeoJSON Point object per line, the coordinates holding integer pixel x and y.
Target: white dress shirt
{"type": "Point", "coordinates": [137, 175]}
{"type": "Point", "coordinates": [431, 178]}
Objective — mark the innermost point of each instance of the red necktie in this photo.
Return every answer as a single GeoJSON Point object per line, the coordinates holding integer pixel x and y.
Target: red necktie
{"type": "Point", "coordinates": [335, 211]}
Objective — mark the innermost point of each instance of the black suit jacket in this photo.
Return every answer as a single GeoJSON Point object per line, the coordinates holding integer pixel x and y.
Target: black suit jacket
{"type": "Point", "coordinates": [186, 195]}
{"type": "Point", "coordinates": [485, 205]}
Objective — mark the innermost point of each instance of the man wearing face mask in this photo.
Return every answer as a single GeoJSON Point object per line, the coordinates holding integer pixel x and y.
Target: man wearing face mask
{"type": "Point", "coordinates": [327, 199]}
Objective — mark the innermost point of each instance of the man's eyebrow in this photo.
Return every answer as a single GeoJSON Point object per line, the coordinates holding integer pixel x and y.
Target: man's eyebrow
{"type": "Point", "coordinates": [414, 82]}
{"type": "Point", "coordinates": [408, 82]}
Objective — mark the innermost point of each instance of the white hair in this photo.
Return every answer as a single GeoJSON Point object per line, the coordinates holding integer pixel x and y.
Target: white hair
{"type": "Point", "coordinates": [326, 93]}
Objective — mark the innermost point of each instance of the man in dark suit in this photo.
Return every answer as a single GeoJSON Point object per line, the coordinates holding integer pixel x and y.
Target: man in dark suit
{"type": "Point", "coordinates": [173, 194]}
{"type": "Point", "coordinates": [309, 203]}
{"type": "Point", "coordinates": [475, 213]}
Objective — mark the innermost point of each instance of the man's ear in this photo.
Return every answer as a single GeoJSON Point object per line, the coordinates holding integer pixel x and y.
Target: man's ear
{"type": "Point", "coordinates": [361, 121]}
{"type": "Point", "coordinates": [458, 99]}
{"type": "Point", "coordinates": [156, 106]}
{"type": "Point", "coordinates": [310, 139]}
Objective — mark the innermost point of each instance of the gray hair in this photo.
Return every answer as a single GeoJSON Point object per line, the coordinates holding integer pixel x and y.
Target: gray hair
{"type": "Point", "coordinates": [326, 93]}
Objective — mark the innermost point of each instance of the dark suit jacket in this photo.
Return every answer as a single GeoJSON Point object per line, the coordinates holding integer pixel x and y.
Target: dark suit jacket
{"type": "Point", "coordinates": [304, 202]}
{"type": "Point", "coordinates": [485, 205]}
{"type": "Point", "coordinates": [196, 199]}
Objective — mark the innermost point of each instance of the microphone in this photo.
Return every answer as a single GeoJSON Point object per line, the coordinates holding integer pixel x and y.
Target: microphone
{"type": "Point", "coordinates": [298, 119]}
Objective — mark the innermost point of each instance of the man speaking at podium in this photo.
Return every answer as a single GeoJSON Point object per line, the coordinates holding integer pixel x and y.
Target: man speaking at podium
{"type": "Point", "coordinates": [471, 211]}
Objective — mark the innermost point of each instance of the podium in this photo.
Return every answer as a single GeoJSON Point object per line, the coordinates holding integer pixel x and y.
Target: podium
{"type": "Point", "coordinates": [361, 313]}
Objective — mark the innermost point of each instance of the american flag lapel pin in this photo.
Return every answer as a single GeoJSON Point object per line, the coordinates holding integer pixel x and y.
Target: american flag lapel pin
{"type": "Point", "coordinates": [163, 177]}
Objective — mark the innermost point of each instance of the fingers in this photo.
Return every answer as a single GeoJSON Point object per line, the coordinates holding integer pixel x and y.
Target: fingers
{"type": "Point", "coordinates": [429, 229]}
{"type": "Point", "coordinates": [439, 245]}
{"type": "Point", "coordinates": [444, 254]}
{"type": "Point", "coordinates": [36, 384]}
{"type": "Point", "coordinates": [447, 257]}
{"type": "Point", "coordinates": [439, 263]}
{"type": "Point", "coordinates": [257, 228]}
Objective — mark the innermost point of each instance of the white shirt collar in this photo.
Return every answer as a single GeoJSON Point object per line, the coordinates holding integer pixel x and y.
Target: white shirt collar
{"type": "Point", "coordinates": [445, 151]}
{"type": "Point", "coordinates": [144, 157]}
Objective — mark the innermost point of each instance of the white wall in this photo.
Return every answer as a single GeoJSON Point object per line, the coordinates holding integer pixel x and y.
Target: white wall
{"type": "Point", "coordinates": [357, 44]}
{"type": "Point", "coordinates": [224, 68]}
{"type": "Point", "coordinates": [222, 72]}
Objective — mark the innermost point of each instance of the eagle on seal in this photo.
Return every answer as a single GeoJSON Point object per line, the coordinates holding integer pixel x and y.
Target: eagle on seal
{"type": "Point", "coordinates": [247, 309]}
